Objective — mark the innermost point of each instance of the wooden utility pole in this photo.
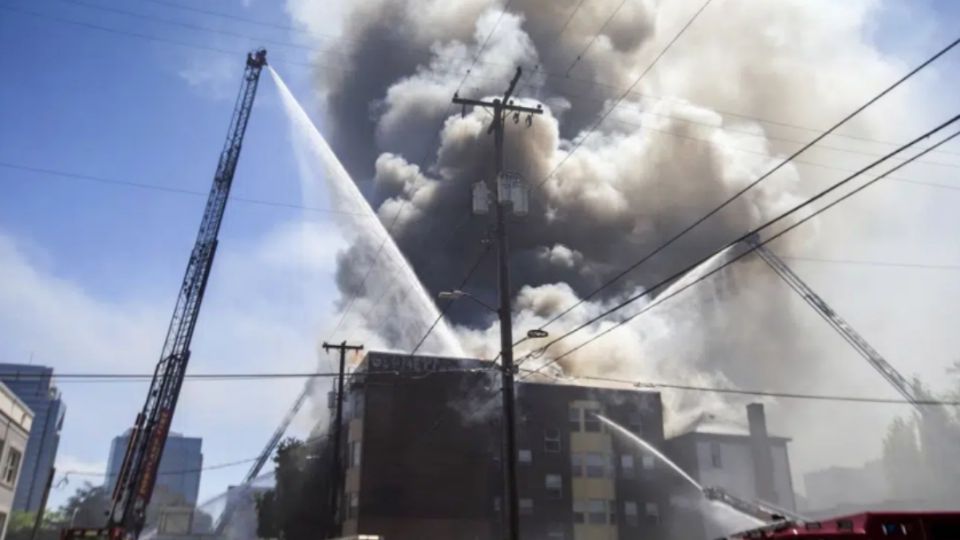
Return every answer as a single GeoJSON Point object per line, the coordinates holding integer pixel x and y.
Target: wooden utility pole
{"type": "Point", "coordinates": [337, 429]}
{"type": "Point", "coordinates": [43, 504]}
{"type": "Point", "coordinates": [502, 107]}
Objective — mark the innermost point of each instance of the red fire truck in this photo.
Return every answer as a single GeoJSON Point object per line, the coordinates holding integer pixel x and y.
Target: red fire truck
{"type": "Point", "coordinates": [865, 526]}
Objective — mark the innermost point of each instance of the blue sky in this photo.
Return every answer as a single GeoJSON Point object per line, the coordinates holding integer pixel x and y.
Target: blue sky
{"type": "Point", "coordinates": [90, 102]}
{"type": "Point", "coordinates": [89, 270]}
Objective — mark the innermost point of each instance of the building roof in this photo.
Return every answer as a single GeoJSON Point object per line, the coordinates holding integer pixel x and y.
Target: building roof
{"type": "Point", "coordinates": [721, 434]}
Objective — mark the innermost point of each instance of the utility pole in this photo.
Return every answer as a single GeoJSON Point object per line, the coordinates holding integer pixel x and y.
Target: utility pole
{"type": "Point", "coordinates": [501, 107]}
{"type": "Point", "coordinates": [43, 504]}
{"type": "Point", "coordinates": [337, 428]}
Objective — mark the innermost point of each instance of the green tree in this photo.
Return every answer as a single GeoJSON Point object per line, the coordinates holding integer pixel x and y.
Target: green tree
{"type": "Point", "coordinates": [87, 507]}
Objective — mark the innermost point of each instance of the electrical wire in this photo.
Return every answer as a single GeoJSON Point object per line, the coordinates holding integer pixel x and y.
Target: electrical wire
{"type": "Point", "coordinates": [727, 263]}
{"type": "Point", "coordinates": [746, 188]}
{"type": "Point", "coordinates": [766, 393]}
{"type": "Point", "coordinates": [105, 377]}
{"type": "Point", "coordinates": [854, 262]}
{"type": "Point", "coordinates": [625, 93]}
{"type": "Point", "coordinates": [587, 47]}
{"type": "Point", "coordinates": [483, 46]}
{"type": "Point", "coordinates": [169, 473]}
{"type": "Point", "coordinates": [168, 189]}
{"type": "Point", "coordinates": [449, 303]}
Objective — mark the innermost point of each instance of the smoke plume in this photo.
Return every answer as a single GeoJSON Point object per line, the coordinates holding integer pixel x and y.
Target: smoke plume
{"type": "Point", "coordinates": [603, 198]}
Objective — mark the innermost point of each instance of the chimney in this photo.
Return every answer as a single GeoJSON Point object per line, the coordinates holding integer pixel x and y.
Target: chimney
{"type": "Point", "coordinates": [760, 451]}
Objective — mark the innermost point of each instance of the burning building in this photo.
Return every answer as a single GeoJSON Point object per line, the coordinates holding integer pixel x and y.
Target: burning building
{"type": "Point", "coordinates": [422, 459]}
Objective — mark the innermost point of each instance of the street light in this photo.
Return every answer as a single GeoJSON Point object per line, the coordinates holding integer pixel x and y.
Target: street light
{"type": "Point", "coordinates": [458, 294]}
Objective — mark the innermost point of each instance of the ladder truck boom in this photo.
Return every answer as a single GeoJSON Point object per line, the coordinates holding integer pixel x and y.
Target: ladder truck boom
{"type": "Point", "coordinates": [138, 472]}
{"type": "Point", "coordinates": [839, 324]}
{"type": "Point", "coordinates": [261, 460]}
{"type": "Point", "coordinates": [757, 509]}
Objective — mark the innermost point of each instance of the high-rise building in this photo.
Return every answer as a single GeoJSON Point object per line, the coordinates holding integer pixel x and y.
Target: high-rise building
{"type": "Point", "coordinates": [178, 478]}
{"type": "Point", "coordinates": [16, 420]}
{"type": "Point", "coordinates": [32, 384]}
{"type": "Point", "coordinates": [422, 456]}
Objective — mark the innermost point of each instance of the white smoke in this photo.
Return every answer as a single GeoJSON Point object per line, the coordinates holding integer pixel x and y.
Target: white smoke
{"type": "Point", "coordinates": [668, 153]}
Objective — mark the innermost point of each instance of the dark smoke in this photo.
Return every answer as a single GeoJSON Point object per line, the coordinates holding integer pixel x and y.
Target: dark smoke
{"type": "Point", "coordinates": [663, 158]}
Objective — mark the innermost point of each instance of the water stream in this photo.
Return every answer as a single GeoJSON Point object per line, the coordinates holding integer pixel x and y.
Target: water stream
{"type": "Point", "coordinates": [650, 448]}
{"type": "Point", "coordinates": [390, 272]}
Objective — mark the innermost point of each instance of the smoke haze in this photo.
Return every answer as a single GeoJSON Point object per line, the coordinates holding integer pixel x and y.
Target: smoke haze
{"type": "Point", "coordinates": [666, 155]}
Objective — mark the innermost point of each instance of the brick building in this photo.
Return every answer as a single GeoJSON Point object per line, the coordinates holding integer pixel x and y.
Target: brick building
{"type": "Point", "coordinates": [422, 455]}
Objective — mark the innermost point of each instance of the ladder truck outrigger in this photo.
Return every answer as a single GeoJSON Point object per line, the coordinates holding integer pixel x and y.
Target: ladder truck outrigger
{"type": "Point", "coordinates": [138, 472]}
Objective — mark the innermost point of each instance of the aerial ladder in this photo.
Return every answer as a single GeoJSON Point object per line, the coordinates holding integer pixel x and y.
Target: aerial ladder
{"type": "Point", "coordinates": [761, 510]}
{"type": "Point", "coordinates": [851, 336]}
{"type": "Point", "coordinates": [938, 432]}
{"type": "Point", "coordinates": [232, 502]}
{"type": "Point", "coordinates": [138, 472]}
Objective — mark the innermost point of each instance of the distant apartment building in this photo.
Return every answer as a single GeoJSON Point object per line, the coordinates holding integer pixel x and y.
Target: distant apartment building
{"type": "Point", "coordinates": [422, 456]}
{"type": "Point", "coordinates": [750, 464]}
{"type": "Point", "coordinates": [33, 385]}
{"type": "Point", "coordinates": [178, 478]}
{"type": "Point", "coordinates": [16, 420]}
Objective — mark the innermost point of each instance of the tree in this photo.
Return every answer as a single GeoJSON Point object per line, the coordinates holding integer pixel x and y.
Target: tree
{"type": "Point", "coordinates": [268, 526]}
{"type": "Point", "coordinates": [21, 523]}
{"type": "Point", "coordinates": [87, 507]}
{"type": "Point", "coordinates": [299, 506]}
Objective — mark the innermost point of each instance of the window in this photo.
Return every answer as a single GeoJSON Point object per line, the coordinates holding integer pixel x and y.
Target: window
{"type": "Point", "coordinates": [526, 507]}
{"type": "Point", "coordinates": [595, 465]}
{"type": "Point", "coordinates": [551, 440]}
{"type": "Point", "coordinates": [648, 462]}
{"type": "Point", "coordinates": [635, 423]}
{"type": "Point", "coordinates": [524, 455]}
{"type": "Point", "coordinates": [653, 512]}
{"type": "Point", "coordinates": [716, 459]}
{"type": "Point", "coordinates": [590, 421]}
{"type": "Point", "coordinates": [554, 485]}
{"type": "Point", "coordinates": [574, 419]}
{"type": "Point", "coordinates": [631, 514]}
{"type": "Point", "coordinates": [597, 511]}
{"type": "Point", "coordinates": [496, 505]}
{"type": "Point", "coordinates": [556, 531]}
{"type": "Point", "coordinates": [12, 466]}
{"type": "Point", "coordinates": [354, 453]}
{"type": "Point", "coordinates": [626, 466]}
{"type": "Point", "coordinates": [353, 505]}
{"type": "Point", "coordinates": [576, 463]}
{"type": "Point", "coordinates": [3, 520]}
{"type": "Point", "coordinates": [579, 511]}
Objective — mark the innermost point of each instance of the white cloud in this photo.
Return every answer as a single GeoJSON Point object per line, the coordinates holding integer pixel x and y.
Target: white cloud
{"type": "Point", "coordinates": [267, 301]}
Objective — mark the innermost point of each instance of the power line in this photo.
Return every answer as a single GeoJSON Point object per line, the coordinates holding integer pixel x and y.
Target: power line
{"type": "Point", "coordinates": [483, 46]}
{"type": "Point", "coordinates": [446, 307]}
{"type": "Point", "coordinates": [224, 15]}
{"type": "Point", "coordinates": [105, 377]}
{"type": "Point", "coordinates": [160, 39]}
{"type": "Point", "coordinates": [749, 186]}
{"type": "Point", "coordinates": [750, 249]}
{"type": "Point", "coordinates": [764, 393]}
{"type": "Point", "coordinates": [626, 92]}
{"type": "Point", "coordinates": [170, 473]}
{"type": "Point", "coordinates": [559, 34]}
{"type": "Point", "coordinates": [167, 189]}
{"type": "Point", "coordinates": [187, 25]}
{"type": "Point", "coordinates": [872, 263]}
{"type": "Point", "coordinates": [586, 48]}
